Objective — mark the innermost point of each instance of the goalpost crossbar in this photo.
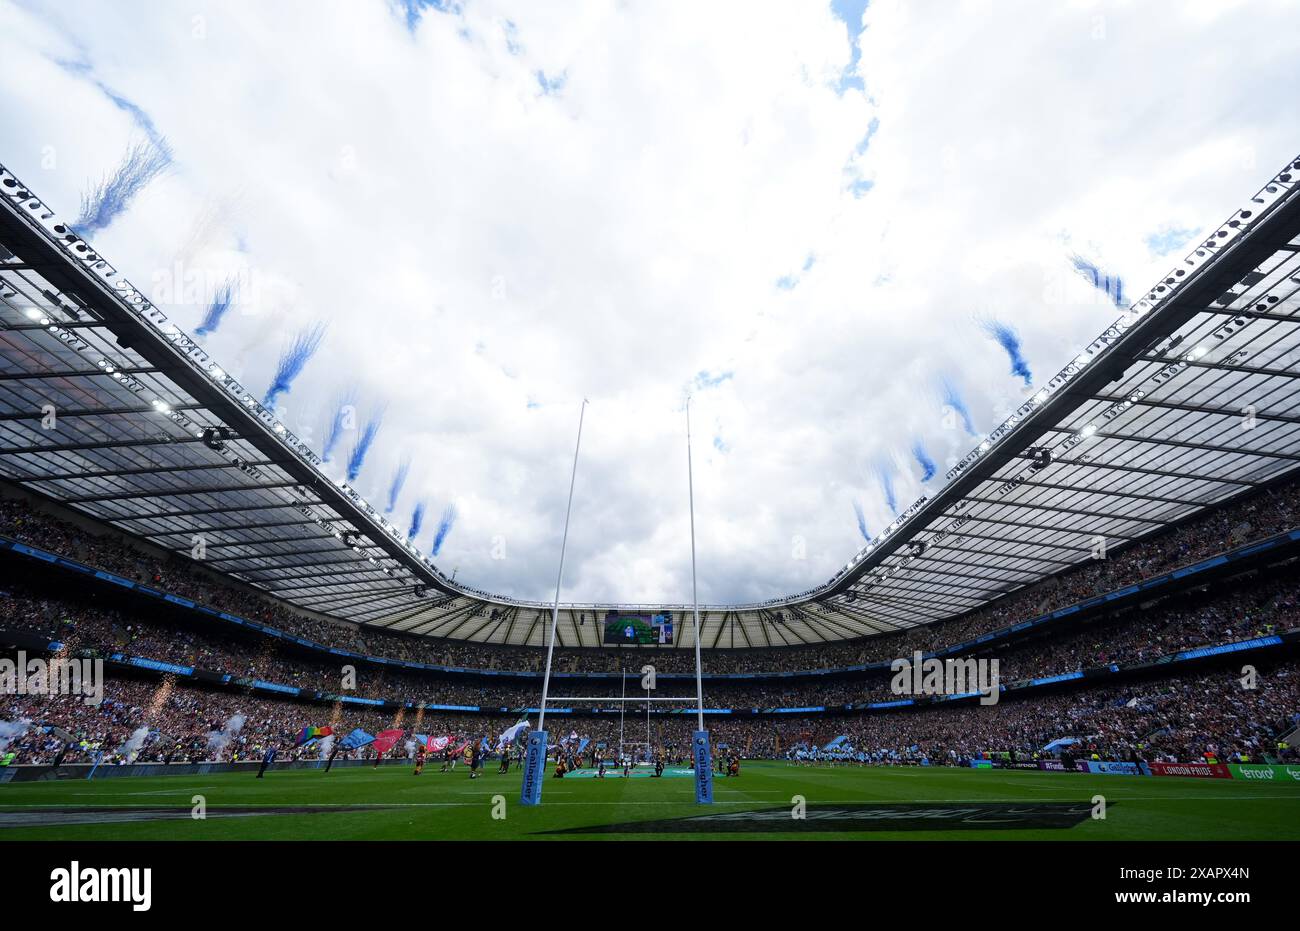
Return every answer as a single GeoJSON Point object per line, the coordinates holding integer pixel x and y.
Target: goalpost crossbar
{"type": "Point", "coordinates": [559, 698]}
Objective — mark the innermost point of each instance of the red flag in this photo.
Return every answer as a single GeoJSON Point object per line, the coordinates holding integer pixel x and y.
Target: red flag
{"type": "Point", "coordinates": [386, 740]}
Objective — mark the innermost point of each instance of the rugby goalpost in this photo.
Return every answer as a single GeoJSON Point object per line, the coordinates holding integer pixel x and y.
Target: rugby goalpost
{"type": "Point", "coordinates": [622, 713]}
{"type": "Point", "coordinates": [530, 792]}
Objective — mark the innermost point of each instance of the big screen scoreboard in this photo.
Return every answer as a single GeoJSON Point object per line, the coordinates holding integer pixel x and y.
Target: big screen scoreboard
{"type": "Point", "coordinates": [625, 627]}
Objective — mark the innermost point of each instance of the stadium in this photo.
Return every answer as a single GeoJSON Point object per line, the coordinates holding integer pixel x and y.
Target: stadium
{"type": "Point", "coordinates": [1084, 628]}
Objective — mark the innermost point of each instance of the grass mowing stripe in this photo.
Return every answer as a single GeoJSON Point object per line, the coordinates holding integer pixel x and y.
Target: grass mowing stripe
{"type": "Point", "coordinates": [451, 806]}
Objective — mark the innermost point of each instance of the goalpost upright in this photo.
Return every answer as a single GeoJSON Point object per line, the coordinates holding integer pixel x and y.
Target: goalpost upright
{"type": "Point", "coordinates": [700, 739]}
{"type": "Point", "coordinates": [530, 792]}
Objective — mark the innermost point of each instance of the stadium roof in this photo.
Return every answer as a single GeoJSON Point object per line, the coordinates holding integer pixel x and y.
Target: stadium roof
{"type": "Point", "coordinates": [1191, 397]}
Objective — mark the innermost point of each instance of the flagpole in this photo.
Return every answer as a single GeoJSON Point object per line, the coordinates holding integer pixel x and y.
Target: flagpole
{"type": "Point", "coordinates": [695, 598]}
{"type": "Point", "coordinates": [559, 576]}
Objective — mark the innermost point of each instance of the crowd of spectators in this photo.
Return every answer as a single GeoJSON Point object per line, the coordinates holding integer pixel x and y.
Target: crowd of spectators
{"type": "Point", "coordinates": [1176, 720]}
{"type": "Point", "coordinates": [1187, 719]}
{"type": "Point", "coordinates": [1247, 608]}
{"type": "Point", "coordinates": [1250, 608]}
{"type": "Point", "coordinates": [1249, 519]}
{"type": "Point", "coordinates": [166, 721]}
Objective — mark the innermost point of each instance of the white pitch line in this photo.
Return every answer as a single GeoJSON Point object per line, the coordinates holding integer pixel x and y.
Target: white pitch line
{"type": "Point", "coordinates": [814, 801]}
{"type": "Point", "coordinates": [130, 794]}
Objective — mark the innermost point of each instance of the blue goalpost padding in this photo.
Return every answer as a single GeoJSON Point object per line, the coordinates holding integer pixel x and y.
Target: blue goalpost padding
{"type": "Point", "coordinates": [703, 768]}
{"type": "Point", "coordinates": [530, 793]}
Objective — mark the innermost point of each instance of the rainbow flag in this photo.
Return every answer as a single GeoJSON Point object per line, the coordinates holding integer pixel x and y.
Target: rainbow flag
{"type": "Point", "coordinates": [309, 733]}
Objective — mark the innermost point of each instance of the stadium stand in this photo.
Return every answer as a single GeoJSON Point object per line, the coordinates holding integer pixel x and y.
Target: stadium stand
{"type": "Point", "coordinates": [1124, 543]}
{"type": "Point", "coordinates": [1175, 714]}
{"type": "Point", "coordinates": [1253, 518]}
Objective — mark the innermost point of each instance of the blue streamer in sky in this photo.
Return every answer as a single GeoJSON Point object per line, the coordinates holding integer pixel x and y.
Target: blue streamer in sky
{"type": "Point", "coordinates": [952, 398]}
{"type": "Point", "coordinates": [345, 408]}
{"type": "Point", "coordinates": [417, 521]}
{"type": "Point", "coordinates": [293, 360]}
{"type": "Point", "coordinates": [110, 198]}
{"type": "Point", "coordinates": [885, 476]}
{"type": "Point", "coordinates": [1110, 285]}
{"type": "Point", "coordinates": [444, 528]}
{"type": "Point", "coordinates": [217, 308]}
{"type": "Point", "coordinates": [928, 468]}
{"type": "Point", "coordinates": [1006, 336]}
{"type": "Point", "coordinates": [357, 458]}
{"type": "Point", "coordinates": [862, 521]}
{"type": "Point", "coordinates": [395, 487]}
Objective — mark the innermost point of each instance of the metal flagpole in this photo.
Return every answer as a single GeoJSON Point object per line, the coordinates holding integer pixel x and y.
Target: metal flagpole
{"type": "Point", "coordinates": [700, 742]}
{"type": "Point", "coordinates": [530, 792]}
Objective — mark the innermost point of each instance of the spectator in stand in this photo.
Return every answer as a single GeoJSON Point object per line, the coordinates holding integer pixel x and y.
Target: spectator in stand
{"type": "Point", "coordinates": [1249, 519]}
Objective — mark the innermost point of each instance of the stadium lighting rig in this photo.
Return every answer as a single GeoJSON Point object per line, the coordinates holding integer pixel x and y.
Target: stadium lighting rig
{"type": "Point", "coordinates": [215, 438]}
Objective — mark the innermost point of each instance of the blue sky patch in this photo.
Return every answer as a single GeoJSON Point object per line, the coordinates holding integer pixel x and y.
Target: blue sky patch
{"type": "Point", "coordinates": [552, 85]}
{"type": "Point", "coordinates": [705, 379]}
{"type": "Point", "coordinates": [850, 12]}
{"type": "Point", "coordinates": [1170, 239]}
{"type": "Point", "coordinates": [412, 11]}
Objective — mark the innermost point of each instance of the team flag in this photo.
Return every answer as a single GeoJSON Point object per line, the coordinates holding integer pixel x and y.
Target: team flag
{"type": "Point", "coordinates": [513, 733]}
{"type": "Point", "coordinates": [309, 733]}
{"type": "Point", "coordinates": [358, 738]}
{"type": "Point", "coordinates": [386, 740]}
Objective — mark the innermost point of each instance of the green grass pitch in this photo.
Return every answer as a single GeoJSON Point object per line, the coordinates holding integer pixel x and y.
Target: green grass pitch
{"type": "Point", "coordinates": [362, 803]}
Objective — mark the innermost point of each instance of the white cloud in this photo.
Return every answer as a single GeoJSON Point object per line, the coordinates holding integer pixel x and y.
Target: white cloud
{"type": "Point", "coordinates": [475, 244]}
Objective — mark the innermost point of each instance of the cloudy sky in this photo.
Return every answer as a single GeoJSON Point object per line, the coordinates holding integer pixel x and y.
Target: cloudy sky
{"type": "Point", "coordinates": [813, 218]}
